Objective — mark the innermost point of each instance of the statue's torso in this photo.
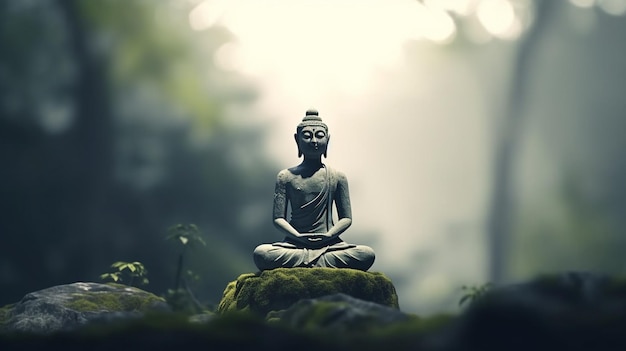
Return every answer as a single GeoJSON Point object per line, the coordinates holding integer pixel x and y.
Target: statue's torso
{"type": "Point", "coordinates": [302, 189]}
{"type": "Point", "coordinates": [310, 196]}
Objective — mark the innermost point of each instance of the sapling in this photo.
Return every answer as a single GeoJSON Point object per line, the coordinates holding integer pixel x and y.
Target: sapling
{"type": "Point", "coordinates": [473, 293]}
{"type": "Point", "coordinates": [188, 235]}
{"type": "Point", "coordinates": [130, 270]}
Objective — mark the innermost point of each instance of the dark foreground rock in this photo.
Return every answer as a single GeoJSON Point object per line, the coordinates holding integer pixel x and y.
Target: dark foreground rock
{"type": "Point", "coordinates": [568, 311]}
{"type": "Point", "coordinates": [278, 289]}
{"type": "Point", "coordinates": [338, 313]}
{"type": "Point", "coordinates": [66, 307]}
{"type": "Point", "coordinates": [573, 311]}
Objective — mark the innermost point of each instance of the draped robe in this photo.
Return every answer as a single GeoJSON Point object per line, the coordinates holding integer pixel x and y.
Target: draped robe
{"type": "Point", "coordinates": [314, 216]}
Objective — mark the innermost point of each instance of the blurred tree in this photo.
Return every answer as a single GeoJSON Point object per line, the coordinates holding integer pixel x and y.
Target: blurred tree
{"type": "Point", "coordinates": [509, 133]}
{"type": "Point", "coordinates": [572, 211]}
{"type": "Point", "coordinates": [114, 125]}
{"type": "Point", "coordinates": [593, 72]}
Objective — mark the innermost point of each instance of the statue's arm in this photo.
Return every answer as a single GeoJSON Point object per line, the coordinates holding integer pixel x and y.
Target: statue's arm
{"type": "Point", "coordinates": [342, 202]}
{"type": "Point", "coordinates": [280, 207]}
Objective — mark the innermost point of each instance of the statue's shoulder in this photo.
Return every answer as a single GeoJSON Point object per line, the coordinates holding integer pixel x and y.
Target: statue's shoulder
{"type": "Point", "coordinates": [336, 175]}
{"type": "Point", "coordinates": [285, 175]}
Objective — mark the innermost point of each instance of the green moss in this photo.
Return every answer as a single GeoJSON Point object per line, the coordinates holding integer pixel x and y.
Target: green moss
{"type": "Point", "coordinates": [113, 301]}
{"type": "Point", "coordinates": [5, 314]}
{"type": "Point", "coordinates": [412, 326]}
{"type": "Point", "coordinates": [280, 288]}
{"type": "Point", "coordinates": [321, 314]}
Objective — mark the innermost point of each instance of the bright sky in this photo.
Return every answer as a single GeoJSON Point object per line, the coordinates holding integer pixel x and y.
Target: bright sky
{"type": "Point", "coordinates": [330, 43]}
{"type": "Point", "coordinates": [411, 136]}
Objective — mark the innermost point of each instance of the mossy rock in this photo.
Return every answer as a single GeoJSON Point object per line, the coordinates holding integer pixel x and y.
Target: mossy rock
{"type": "Point", "coordinates": [66, 307]}
{"type": "Point", "coordinates": [280, 288]}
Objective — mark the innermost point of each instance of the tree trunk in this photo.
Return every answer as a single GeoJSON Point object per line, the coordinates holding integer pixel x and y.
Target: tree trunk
{"type": "Point", "coordinates": [91, 135]}
{"type": "Point", "coordinates": [507, 145]}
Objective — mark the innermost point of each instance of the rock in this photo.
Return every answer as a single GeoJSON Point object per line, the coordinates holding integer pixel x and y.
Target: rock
{"type": "Point", "coordinates": [338, 313]}
{"type": "Point", "coordinates": [66, 307]}
{"type": "Point", "coordinates": [202, 318]}
{"type": "Point", "coordinates": [561, 311]}
{"type": "Point", "coordinates": [280, 288]}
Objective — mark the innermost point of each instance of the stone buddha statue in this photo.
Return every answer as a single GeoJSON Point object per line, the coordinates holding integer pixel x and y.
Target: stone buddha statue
{"type": "Point", "coordinates": [310, 189]}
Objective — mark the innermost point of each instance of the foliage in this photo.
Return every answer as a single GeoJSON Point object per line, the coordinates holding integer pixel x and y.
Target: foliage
{"type": "Point", "coordinates": [474, 293]}
{"type": "Point", "coordinates": [105, 100]}
{"type": "Point", "coordinates": [181, 298]}
{"type": "Point", "coordinates": [187, 234]}
{"type": "Point", "coordinates": [128, 270]}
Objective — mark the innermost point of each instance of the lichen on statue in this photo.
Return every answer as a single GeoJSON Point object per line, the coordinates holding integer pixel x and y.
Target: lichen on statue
{"type": "Point", "coordinates": [311, 189]}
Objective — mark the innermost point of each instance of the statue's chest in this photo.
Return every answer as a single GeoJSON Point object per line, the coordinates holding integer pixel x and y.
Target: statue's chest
{"type": "Point", "coordinates": [307, 188]}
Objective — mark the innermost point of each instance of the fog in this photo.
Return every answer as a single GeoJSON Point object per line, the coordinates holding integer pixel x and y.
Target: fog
{"type": "Point", "coordinates": [409, 126]}
{"type": "Point", "coordinates": [413, 119]}
{"type": "Point", "coordinates": [482, 139]}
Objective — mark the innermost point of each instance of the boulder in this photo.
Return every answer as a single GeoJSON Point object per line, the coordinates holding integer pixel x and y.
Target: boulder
{"type": "Point", "coordinates": [339, 313]}
{"type": "Point", "coordinates": [573, 310]}
{"type": "Point", "coordinates": [280, 288]}
{"type": "Point", "coordinates": [66, 307]}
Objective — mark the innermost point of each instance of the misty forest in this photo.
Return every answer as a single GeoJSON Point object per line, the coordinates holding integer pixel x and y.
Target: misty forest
{"type": "Point", "coordinates": [483, 139]}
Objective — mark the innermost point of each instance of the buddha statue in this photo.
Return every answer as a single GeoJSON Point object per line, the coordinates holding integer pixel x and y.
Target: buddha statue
{"type": "Point", "coordinates": [310, 189]}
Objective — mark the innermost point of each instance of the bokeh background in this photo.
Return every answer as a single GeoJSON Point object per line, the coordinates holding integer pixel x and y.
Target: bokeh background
{"type": "Point", "coordinates": [483, 139]}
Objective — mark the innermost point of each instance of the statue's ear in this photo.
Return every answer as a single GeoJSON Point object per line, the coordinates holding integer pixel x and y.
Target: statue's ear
{"type": "Point", "coordinates": [295, 136]}
{"type": "Point", "coordinates": [327, 142]}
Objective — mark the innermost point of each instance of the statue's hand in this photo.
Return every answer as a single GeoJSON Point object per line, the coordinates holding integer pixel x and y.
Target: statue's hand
{"type": "Point", "coordinates": [317, 237]}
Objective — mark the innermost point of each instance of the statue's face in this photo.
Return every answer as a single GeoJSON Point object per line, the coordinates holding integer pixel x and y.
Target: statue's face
{"type": "Point", "coordinates": [313, 140]}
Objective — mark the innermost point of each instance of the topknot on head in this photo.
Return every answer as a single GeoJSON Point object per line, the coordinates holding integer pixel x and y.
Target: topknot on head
{"type": "Point", "coordinates": [312, 112]}
{"type": "Point", "coordinates": [312, 118]}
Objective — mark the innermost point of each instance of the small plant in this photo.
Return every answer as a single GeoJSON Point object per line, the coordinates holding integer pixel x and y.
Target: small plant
{"type": "Point", "coordinates": [132, 271]}
{"type": "Point", "coordinates": [473, 293]}
{"type": "Point", "coordinates": [181, 298]}
{"type": "Point", "coordinates": [189, 236]}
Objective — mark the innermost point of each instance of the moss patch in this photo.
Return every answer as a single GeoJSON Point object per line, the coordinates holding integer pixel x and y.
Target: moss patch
{"type": "Point", "coordinates": [280, 288]}
{"type": "Point", "coordinates": [5, 314]}
{"type": "Point", "coordinates": [138, 300]}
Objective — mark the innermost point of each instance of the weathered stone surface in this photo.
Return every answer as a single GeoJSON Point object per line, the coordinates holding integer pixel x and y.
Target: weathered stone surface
{"type": "Point", "coordinates": [338, 313]}
{"type": "Point", "coordinates": [66, 307]}
{"type": "Point", "coordinates": [202, 318]}
{"type": "Point", "coordinates": [573, 310]}
{"type": "Point", "coordinates": [280, 288]}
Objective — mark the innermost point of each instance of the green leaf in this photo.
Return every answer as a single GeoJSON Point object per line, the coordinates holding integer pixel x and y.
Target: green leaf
{"type": "Point", "coordinates": [183, 240]}
{"type": "Point", "coordinates": [201, 241]}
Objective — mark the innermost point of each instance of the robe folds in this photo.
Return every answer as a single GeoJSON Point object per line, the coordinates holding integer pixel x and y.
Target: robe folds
{"type": "Point", "coordinates": [314, 216]}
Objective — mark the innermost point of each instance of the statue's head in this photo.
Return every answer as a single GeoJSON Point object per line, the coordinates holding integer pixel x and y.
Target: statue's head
{"type": "Point", "coordinates": [312, 135]}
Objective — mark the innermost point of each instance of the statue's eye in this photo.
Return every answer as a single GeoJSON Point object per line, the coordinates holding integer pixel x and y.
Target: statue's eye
{"type": "Point", "coordinates": [320, 134]}
{"type": "Point", "coordinates": [307, 135]}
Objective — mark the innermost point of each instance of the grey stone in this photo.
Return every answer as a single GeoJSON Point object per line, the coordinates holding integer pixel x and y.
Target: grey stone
{"type": "Point", "coordinates": [67, 307]}
{"type": "Point", "coordinates": [310, 189]}
{"type": "Point", "coordinates": [564, 311]}
{"type": "Point", "coordinates": [338, 313]}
